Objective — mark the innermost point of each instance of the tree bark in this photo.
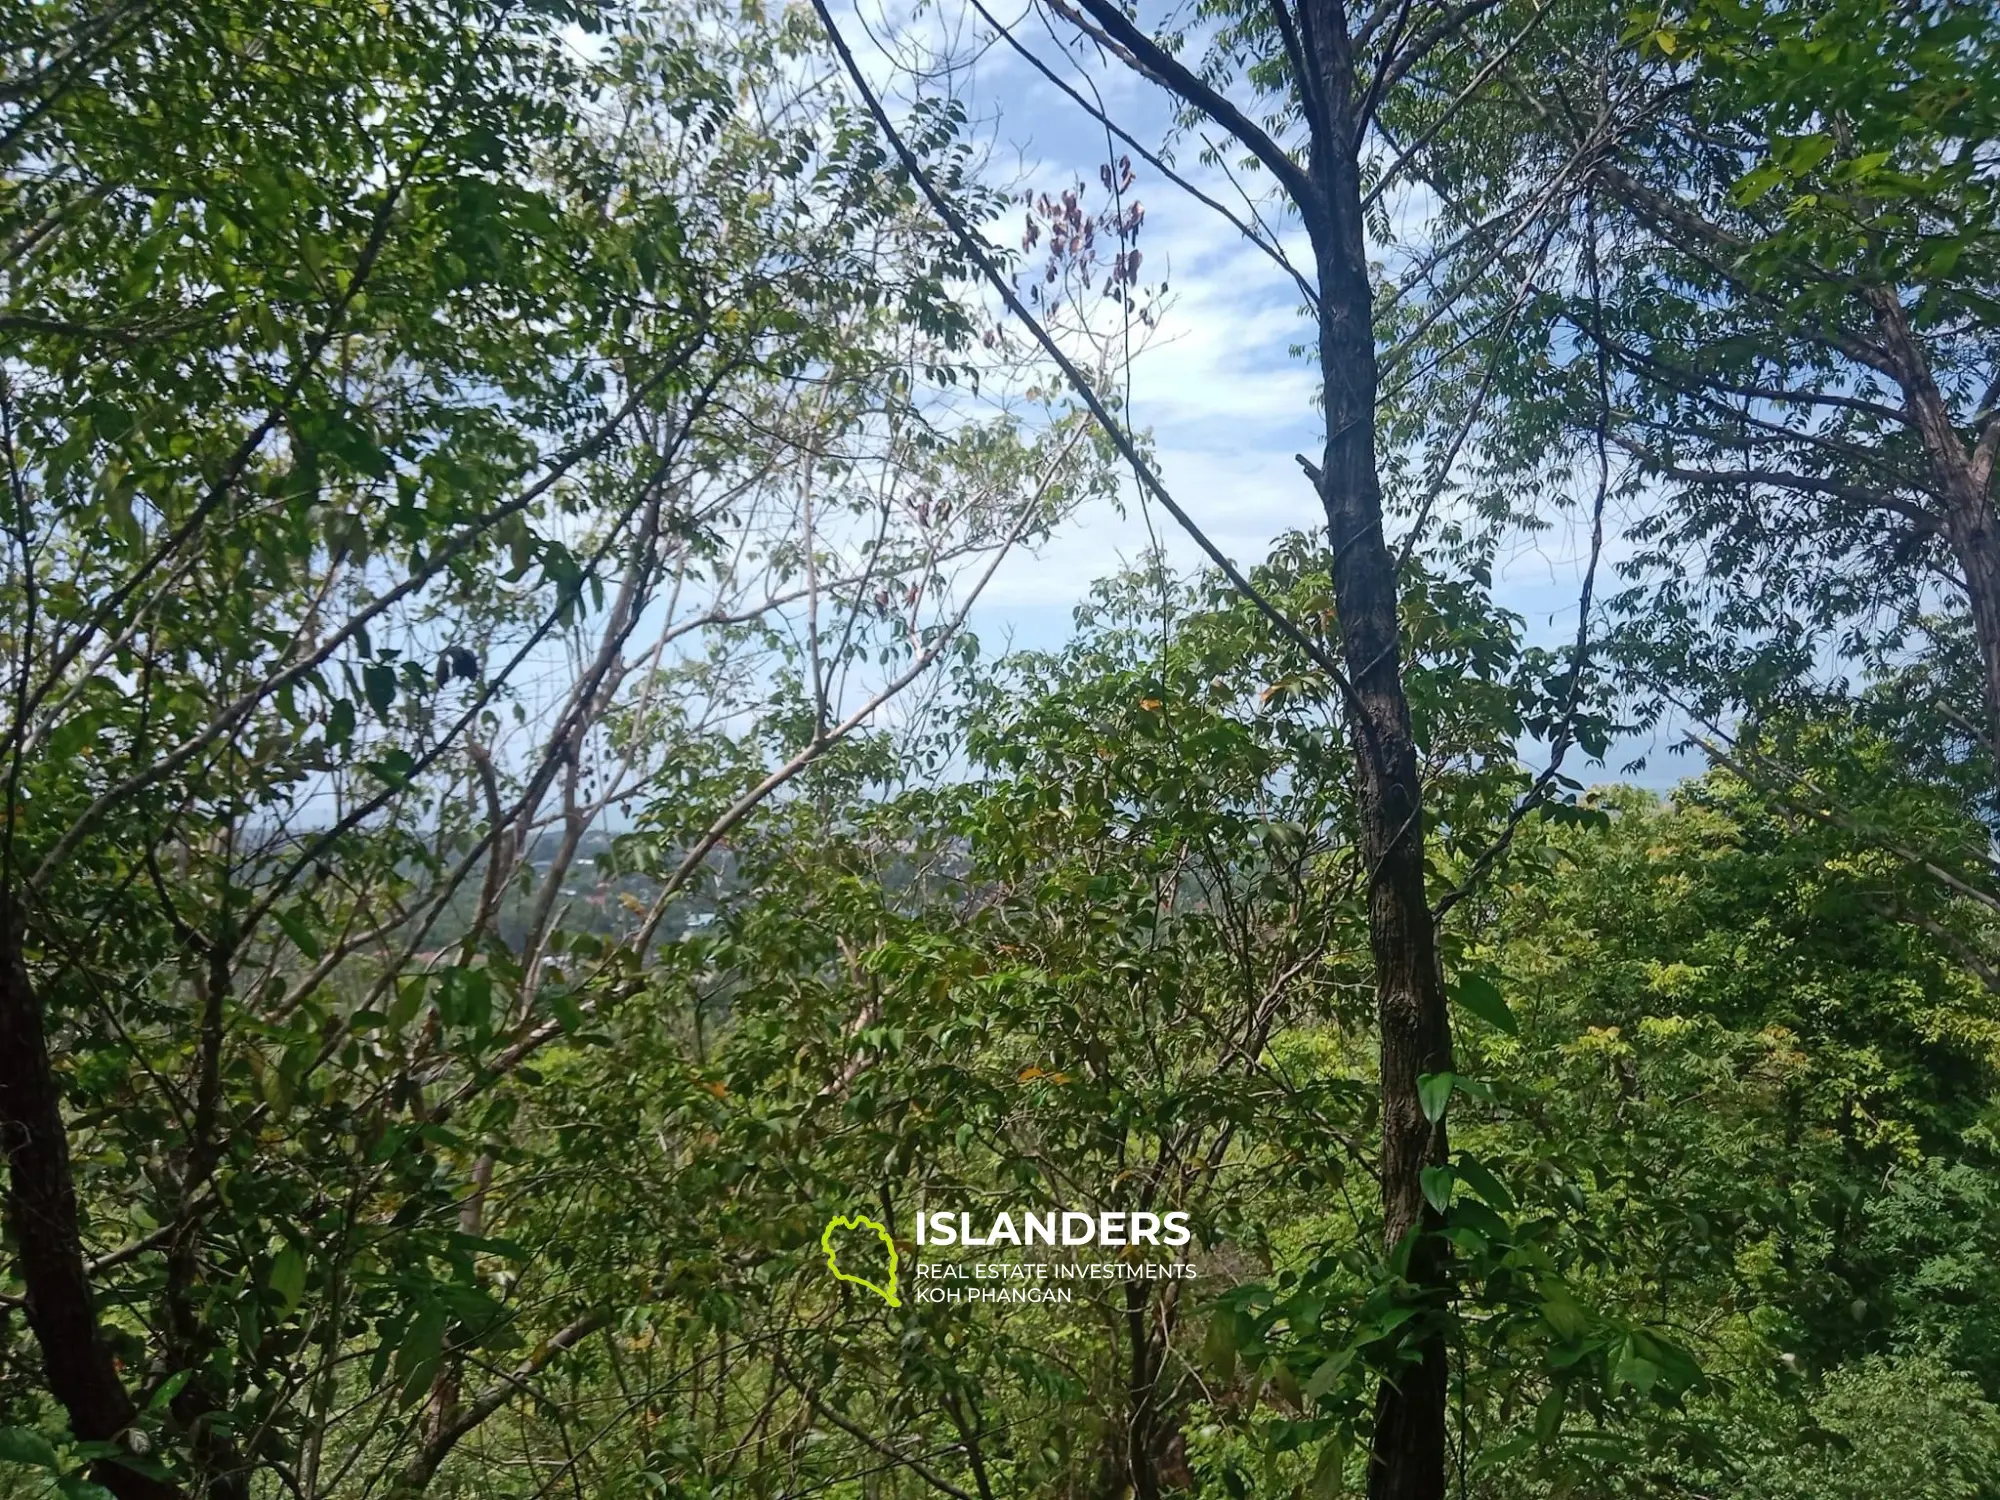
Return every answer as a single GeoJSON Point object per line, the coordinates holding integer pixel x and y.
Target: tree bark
{"type": "Point", "coordinates": [1142, 1472]}
{"type": "Point", "coordinates": [42, 1215]}
{"type": "Point", "coordinates": [1407, 1459]}
{"type": "Point", "coordinates": [1972, 536]}
{"type": "Point", "coordinates": [1964, 475]}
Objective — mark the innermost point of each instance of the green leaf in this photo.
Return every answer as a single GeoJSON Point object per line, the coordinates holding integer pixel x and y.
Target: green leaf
{"type": "Point", "coordinates": [24, 1445]}
{"type": "Point", "coordinates": [1475, 1175]}
{"type": "Point", "coordinates": [1944, 256]}
{"type": "Point", "coordinates": [394, 769]}
{"type": "Point", "coordinates": [1385, 1325]}
{"type": "Point", "coordinates": [466, 998]}
{"type": "Point", "coordinates": [418, 1355]}
{"type": "Point", "coordinates": [1559, 1309]}
{"type": "Point", "coordinates": [168, 1389]}
{"type": "Point", "coordinates": [1807, 152]}
{"type": "Point", "coordinates": [568, 1012]}
{"type": "Point", "coordinates": [138, 1463]}
{"type": "Point", "coordinates": [409, 998]}
{"type": "Point", "coordinates": [1678, 1367]}
{"type": "Point", "coordinates": [1219, 1348]}
{"type": "Point", "coordinates": [1549, 1415]}
{"type": "Point", "coordinates": [288, 1278]}
{"type": "Point", "coordinates": [1482, 997]}
{"type": "Point", "coordinates": [1328, 1374]}
{"type": "Point", "coordinates": [1635, 1370]}
{"type": "Point", "coordinates": [1755, 183]}
{"type": "Point", "coordinates": [1501, 1454]}
{"type": "Point", "coordinates": [340, 722]}
{"type": "Point", "coordinates": [299, 932]}
{"type": "Point", "coordinates": [1433, 1093]}
{"type": "Point", "coordinates": [378, 680]}
{"type": "Point", "coordinates": [1329, 1476]}
{"type": "Point", "coordinates": [1437, 1183]}
{"type": "Point", "coordinates": [1470, 1213]}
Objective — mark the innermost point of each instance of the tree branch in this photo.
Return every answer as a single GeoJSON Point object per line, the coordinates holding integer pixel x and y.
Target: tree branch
{"type": "Point", "coordinates": [423, 1466]}
{"type": "Point", "coordinates": [975, 250]}
{"type": "Point", "coordinates": [1140, 52]}
{"type": "Point", "coordinates": [1276, 255]}
{"type": "Point", "coordinates": [1804, 483]}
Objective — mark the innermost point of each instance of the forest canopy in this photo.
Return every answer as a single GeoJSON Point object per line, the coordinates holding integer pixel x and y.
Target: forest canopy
{"type": "Point", "coordinates": [539, 946]}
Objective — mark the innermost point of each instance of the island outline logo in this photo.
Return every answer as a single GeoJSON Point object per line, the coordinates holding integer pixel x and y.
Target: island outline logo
{"type": "Point", "coordinates": [860, 1221]}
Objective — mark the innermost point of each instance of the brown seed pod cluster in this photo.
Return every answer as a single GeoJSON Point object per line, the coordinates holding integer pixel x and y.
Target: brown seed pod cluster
{"type": "Point", "coordinates": [1086, 249]}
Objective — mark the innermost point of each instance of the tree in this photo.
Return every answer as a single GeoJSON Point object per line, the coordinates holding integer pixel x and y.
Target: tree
{"type": "Point", "coordinates": [1790, 226]}
{"type": "Point", "coordinates": [1117, 961]}
{"type": "Point", "coordinates": [373, 375]}
{"type": "Point", "coordinates": [1754, 1075]}
{"type": "Point", "coordinates": [473, 483]}
{"type": "Point", "coordinates": [1331, 78]}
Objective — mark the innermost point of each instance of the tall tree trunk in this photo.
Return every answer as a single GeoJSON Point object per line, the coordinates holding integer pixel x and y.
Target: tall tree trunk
{"type": "Point", "coordinates": [1965, 480]}
{"type": "Point", "coordinates": [1975, 541]}
{"type": "Point", "coordinates": [1141, 1468]}
{"type": "Point", "coordinates": [1407, 1461]}
{"type": "Point", "coordinates": [42, 1215]}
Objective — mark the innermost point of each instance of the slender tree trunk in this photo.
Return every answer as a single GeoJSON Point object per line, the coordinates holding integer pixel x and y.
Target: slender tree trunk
{"type": "Point", "coordinates": [1975, 540]}
{"type": "Point", "coordinates": [1965, 479]}
{"type": "Point", "coordinates": [1141, 1469]}
{"type": "Point", "coordinates": [1408, 1450]}
{"type": "Point", "coordinates": [224, 1474]}
{"type": "Point", "coordinates": [447, 1386]}
{"type": "Point", "coordinates": [42, 1215]}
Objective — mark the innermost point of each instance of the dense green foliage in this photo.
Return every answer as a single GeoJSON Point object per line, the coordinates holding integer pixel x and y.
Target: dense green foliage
{"type": "Point", "coordinates": [476, 473]}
